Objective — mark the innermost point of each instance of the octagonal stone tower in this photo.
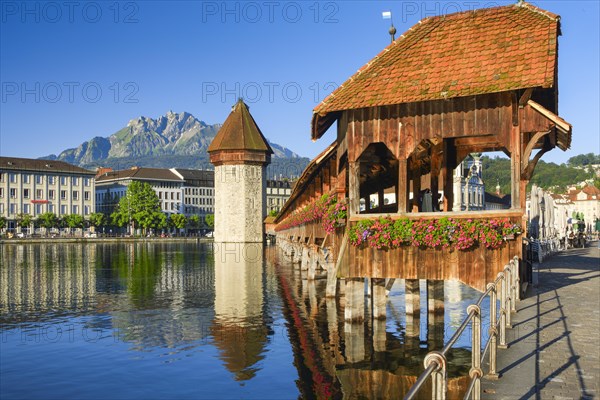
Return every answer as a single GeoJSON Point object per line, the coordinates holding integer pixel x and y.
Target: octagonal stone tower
{"type": "Point", "coordinates": [240, 154]}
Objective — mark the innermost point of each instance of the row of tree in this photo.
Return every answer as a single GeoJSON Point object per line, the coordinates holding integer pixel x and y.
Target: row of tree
{"type": "Point", "coordinates": [139, 208]}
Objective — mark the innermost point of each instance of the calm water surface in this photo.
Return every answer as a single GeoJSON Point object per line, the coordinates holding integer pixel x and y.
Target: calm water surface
{"type": "Point", "coordinates": [187, 320]}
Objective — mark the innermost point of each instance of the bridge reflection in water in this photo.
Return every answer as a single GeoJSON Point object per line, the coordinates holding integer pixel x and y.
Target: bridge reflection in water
{"type": "Point", "coordinates": [248, 304]}
{"type": "Point", "coordinates": [371, 359]}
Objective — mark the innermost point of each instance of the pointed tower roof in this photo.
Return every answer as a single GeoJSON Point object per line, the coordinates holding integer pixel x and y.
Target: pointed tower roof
{"type": "Point", "coordinates": [240, 132]}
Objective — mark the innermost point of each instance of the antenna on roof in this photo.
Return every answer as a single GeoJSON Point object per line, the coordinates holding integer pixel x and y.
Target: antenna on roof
{"type": "Point", "coordinates": [392, 30]}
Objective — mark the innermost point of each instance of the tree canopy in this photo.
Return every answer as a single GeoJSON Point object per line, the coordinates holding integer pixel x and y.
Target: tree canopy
{"type": "Point", "coordinates": [140, 206]}
{"type": "Point", "coordinates": [48, 220]}
{"type": "Point", "coordinates": [210, 220]}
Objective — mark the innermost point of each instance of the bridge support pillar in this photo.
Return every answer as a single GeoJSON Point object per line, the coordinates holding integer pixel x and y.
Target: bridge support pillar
{"type": "Point", "coordinates": [354, 335]}
{"type": "Point", "coordinates": [435, 314]}
{"type": "Point", "coordinates": [304, 258]}
{"type": "Point", "coordinates": [331, 279]}
{"type": "Point", "coordinates": [379, 335]}
{"type": "Point", "coordinates": [378, 298]}
{"type": "Point", "coordinates": [412, 295]}
{"type": "Point", "coordinates": [435, 296]}
{"type": "Point", "coordinates": [355, 300]}
{"type": "Point", "coordinates": [313, 261]}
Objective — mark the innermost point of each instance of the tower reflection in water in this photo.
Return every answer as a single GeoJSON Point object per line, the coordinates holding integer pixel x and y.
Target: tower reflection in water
{"type": "Point", "coordinates": [239, 330]}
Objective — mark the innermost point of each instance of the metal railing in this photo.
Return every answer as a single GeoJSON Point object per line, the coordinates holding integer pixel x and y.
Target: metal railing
{"type": "Point", "coordinates": [435, 362]}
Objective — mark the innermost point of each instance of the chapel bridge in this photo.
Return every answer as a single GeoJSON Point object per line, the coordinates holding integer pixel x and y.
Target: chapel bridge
{"type": "Point", "coordinates": [477, 81]}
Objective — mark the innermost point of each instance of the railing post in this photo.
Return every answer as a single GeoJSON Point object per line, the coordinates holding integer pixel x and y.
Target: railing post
{"type": "Point", "coordinates": [513, 286]}
{"type": "Point", "coordinates": [438, 377]}
{"type": "Point", "coordinates": [475, 371]}
{"type": "Point", "coordinates": [517, 279]}
{"type": "Point", "coordinates": [507, 306]}
{"type": "Point", "coordinates": [503, 285]}
{"type": "Point", "coordinates": [493, 332]}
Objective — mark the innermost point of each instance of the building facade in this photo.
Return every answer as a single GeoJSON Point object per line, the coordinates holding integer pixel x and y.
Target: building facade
{"type": "Point", "coordinates": [111, 186]}
{"type": "Point", "coordinates": [34, 187]}
{"type": "Point", "coordinates": [198, 191]}
{"type": "Point", "coordinates": [469, 187]}
{"type": "Point", "coordinates": [278, 191]}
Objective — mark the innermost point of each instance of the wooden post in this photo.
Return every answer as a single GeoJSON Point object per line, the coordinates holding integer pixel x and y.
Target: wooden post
{"type": "Point", "coordinates": [412, 296]}
{"type": "Point", "coordinates": [354, 189]}
{"type": "Point", "coordinates": [355, 300]}
{"type": "Point", "coordinates": [378, 298]}
{"type": "Point", "coordinates": [402, 187]}
{"type": "Point", "coordinates": [515, 167]}
{"type": "Point", "coordinates": [354, 335]}
{"type": "Point", "coordinates": [435, 296]}
{"type": "Point", "coordinates": [448, 166]}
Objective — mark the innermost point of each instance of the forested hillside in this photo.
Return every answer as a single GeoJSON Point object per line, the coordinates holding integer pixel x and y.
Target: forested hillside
{"type": "Point", "coordinates": [547, 175]}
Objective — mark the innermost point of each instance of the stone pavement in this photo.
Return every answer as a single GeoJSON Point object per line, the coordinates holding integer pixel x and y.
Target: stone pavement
{"type": "Point", "coordinates": [554, 346]}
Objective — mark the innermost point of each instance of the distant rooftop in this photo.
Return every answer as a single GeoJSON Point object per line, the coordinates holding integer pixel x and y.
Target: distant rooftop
{"type": "Point", "coordinates": [37, 165]}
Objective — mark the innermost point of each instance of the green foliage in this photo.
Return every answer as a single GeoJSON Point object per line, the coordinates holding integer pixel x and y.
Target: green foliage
{"type": "Point", "coordinates": [74, 221]}
{"type": "Point", "coordinates": [48, 220]}
{"type": "Point", "coordinates": [209, 219]}
{"type": "Point", "coordinates": [273, 213]}
{"type": "Point", "coordinates": [141, 206]}
{"type": "Point", "coordinates": [385, 233]}
{"type": "Point", "coordinates": [179, 221]}
{"type": "Point", "coordinates": [24, 220]}
{"type": "Point", "coordinates": [546, 175]}
{"type": "Point", "coordinates": [97, 219]}
{"type": "Point", "coordinates": [583, 160]}
{"type": "Point", "coordinates": [2, 222]}
{"type": "Point", "coordinates": [194, 221]}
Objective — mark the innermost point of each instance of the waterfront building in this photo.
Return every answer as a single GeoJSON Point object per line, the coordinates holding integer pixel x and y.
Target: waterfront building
{"type": "Point", "coordinates": [240, 154]}
{"type": "Point", "coordinates": [469, 185]}
{"type": "Point", "coordinates": [34, 187]}
{"type": "Point", "coordinates": [278, 191]}
{"type": "Point", "coordinates": [111, 186]}
{"type": "Point", "coordinates": [198, 191]}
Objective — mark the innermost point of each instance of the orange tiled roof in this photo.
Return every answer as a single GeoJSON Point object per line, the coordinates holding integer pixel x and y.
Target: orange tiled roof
{"type": "Point", "coordinates": [240, 132]}
{"type": "Point", "coordinates": [468, 53]}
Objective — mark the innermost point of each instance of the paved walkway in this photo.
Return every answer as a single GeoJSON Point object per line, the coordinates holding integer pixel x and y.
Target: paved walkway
{"type": "Point", "coordinates": [554, 348]}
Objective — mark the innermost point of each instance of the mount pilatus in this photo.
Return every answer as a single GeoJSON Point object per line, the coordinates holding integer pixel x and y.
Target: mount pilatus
{"type": "Point", "coordinates": [173, 140]}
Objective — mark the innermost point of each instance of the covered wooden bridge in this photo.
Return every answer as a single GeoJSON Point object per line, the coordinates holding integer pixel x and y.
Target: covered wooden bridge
{"type": "Point", "coordinates": [476, 81]}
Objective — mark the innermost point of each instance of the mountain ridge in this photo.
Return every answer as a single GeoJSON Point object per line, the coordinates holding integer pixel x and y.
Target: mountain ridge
{"type": "Point", "coordinates": [179, 138]}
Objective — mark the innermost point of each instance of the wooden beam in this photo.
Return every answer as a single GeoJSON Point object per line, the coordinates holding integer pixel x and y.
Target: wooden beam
{"type": "Point", "coordinates": [402, 187]}
{"type": "Point", "coordinates": [354, 188]}
{"type": "Point", "coordinates": [525, 97]}
{"type": "Point", "coordinates": [515, 167]}
{"type": "Point", "coordinates": [528, 149]}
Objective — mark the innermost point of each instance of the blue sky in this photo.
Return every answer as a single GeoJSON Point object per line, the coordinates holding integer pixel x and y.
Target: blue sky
{"type": "Point", "coordinates": [70, 71]}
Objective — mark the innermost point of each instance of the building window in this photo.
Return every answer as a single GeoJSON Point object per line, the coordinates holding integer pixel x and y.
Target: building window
{"type": "Point", "coordinates": [39, 193]}
{"type": "Point", "coordinates": [2, 176]}
{"type": "Point", "coordinates": [86, 210]}
{"type": "Point", "coordinates": [74, 181]}
{"type": "Point", "coordinates": [63, 209]}
{"type": "Point", "coordinates": [51, 208]}
{"type": "Point", "coordinates": [1, 208]}
{"type": "Point", "coordinates": [25, 178]}
{"type": "Point", "coordinates": [63, 194]}
{"type": "Point", "coordinates": [13, 193]}
{"type": "Point", "coordinates": [1, 192]}
{"type": "Point", "coordinates": [86, 181]}
{"type": "Point", "coordinates": [13, 208]}
{"type": "Point", "coordinates": [63, 180]}
{"type": "Point", "coordinates": [86, 195]}
{"type": "Point", "coordinates": [26, 208]}
{"type": "Point", "coordinates": [13, 178]}
{"type": "Point", "coordinates": [75, 209]}
{"type": "Point", "coordinates": [51, 194]}
{"type": "Point", "coordinates": [75, 195]}
{"type": "Point", "coordinates": [38, 179]}
{"type": "Point", "coordinates": [51, 180]}
{"type": "Point", "coordinates": [38, 209]}
{"type": "Point", "coordinates": [26, 193]}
